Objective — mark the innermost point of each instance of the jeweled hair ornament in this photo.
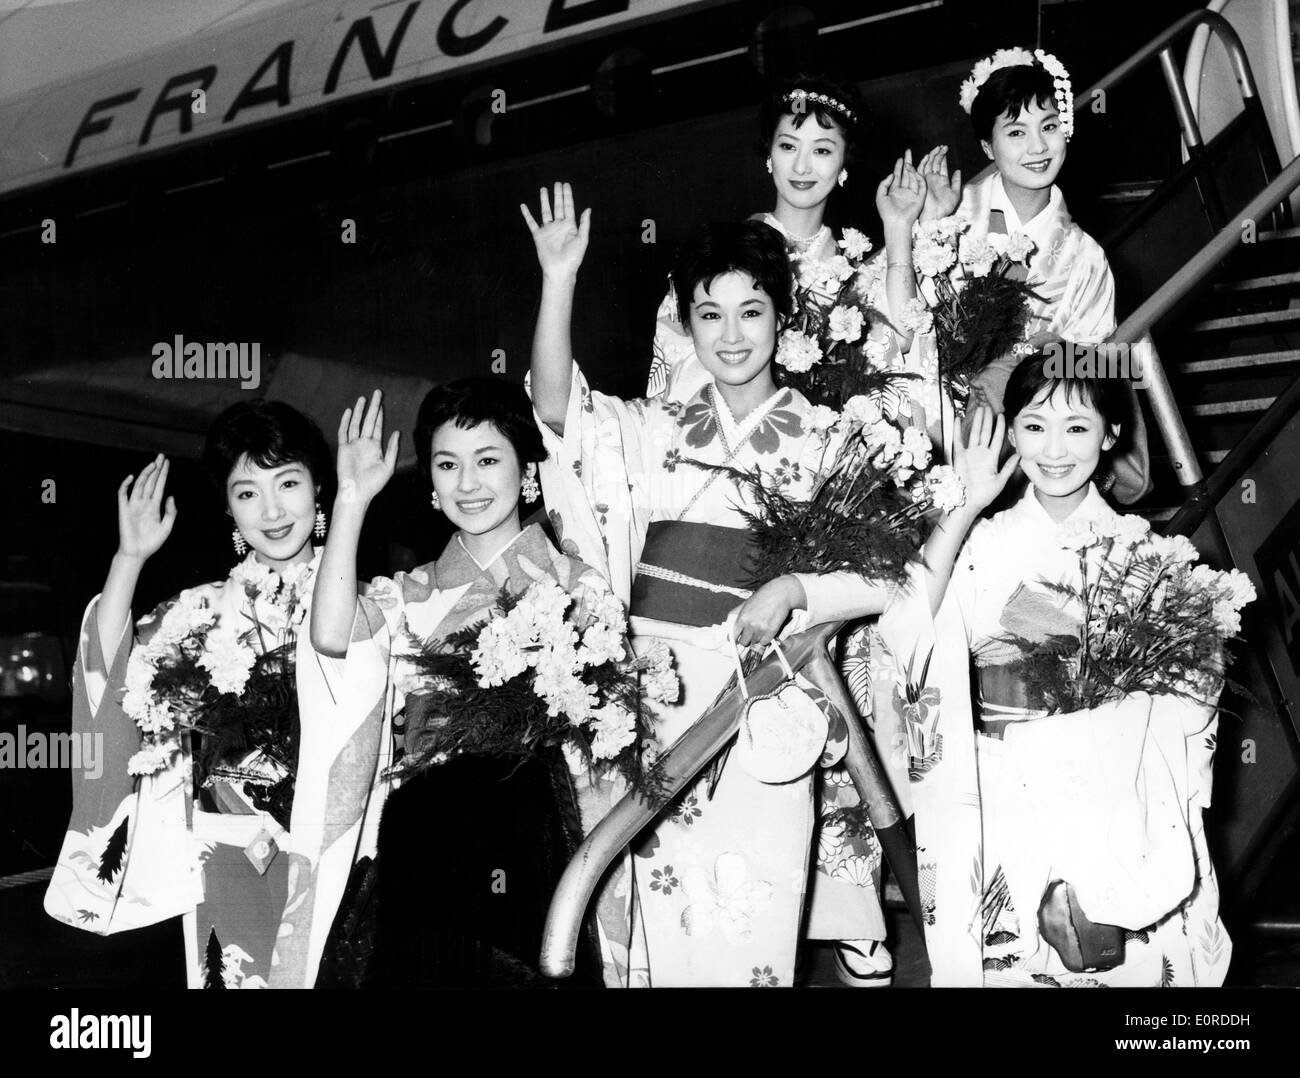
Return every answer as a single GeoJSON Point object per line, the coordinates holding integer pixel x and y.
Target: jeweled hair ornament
{"type": "Point", "coordinates": [825, 100]}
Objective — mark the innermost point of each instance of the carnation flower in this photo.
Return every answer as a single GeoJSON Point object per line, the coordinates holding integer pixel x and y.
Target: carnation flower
{"type": "Point", "coordinates": [915, 316]}
{"type": "Point", "coordinates": [946, 489]}
{"type": "Point", "coordinates": [932, 259]}
{"type": "Point", "coordinates": [614, 730]}
{"type": "Point", "coordinates": [227, 662]}
{"type": "Point", "coordinates": [855, 244]}
{"type": "Point", "coordinates": [663, 685]}
{"type": "Point", "coordinates": [1240, 587]}
{"type": "Point", "coordinates": [1020, 247]}
{"type": "Point", "coordinates": [861, 409]}
{"type": "Point", "coordinates": [1127, 529]}
{"type": "Point", "coordinates": [822, 418]}
{"type": "Point", "coordinates": [977, 256]}
{"type": "Point", "coordinates": [1077, 535]}
{"type": "Point", "coordinates": [152, 758]}
{"type": "Point", "coordinates": [845, 324]}
{"type": "Point", "coordinates": [797, 351]}
{"type": "Point", "coordinates": [1177, 549]}
{"type": "Point", "coordinates": [916, 444]}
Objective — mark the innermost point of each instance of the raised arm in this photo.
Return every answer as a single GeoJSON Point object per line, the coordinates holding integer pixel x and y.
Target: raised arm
{"type": "Point", "coordinates": [561, 241]}
{"type": "Point", "coordinates": [364, 468]}
{"type": "Point", "coordinates": [976, 461]}
{"type": "Point", "coordinates": [899, 200]}
{"type": "Point", "coordinates": [143, 524]}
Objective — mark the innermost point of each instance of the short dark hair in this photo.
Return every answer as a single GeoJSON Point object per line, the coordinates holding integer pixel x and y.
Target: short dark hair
{"type": "Point", "coordinates": [467, 402]}
{"type": "Point", "coordinates": [734, 247]}
{"type": "Point", "coordinates": [779, 103]}
{"type": "Point", "coordinates": [270, 434]}
{"type": "Point", "coordinates": [1007, 92]}
{"type": "Point", "coordinates": [1037, 376]}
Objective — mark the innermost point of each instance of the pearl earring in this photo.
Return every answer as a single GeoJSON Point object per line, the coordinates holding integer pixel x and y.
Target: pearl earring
{"type": "Point", "coordinates": [844, 175]}
{"type": "Point", "coordinates": [241, 544]}
{"type": "Point", "coordinates": [433, 500]}
{"type": "Point", "coordinates": [318, 529]}
{"type": "Point", "coordinates": [529, 488]}
{"type": "Point", "coordinates": [769, 165]}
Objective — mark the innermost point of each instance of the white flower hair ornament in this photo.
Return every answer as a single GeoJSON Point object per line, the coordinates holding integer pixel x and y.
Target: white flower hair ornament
{"type": "Point", "coordinates": [1023, 58]}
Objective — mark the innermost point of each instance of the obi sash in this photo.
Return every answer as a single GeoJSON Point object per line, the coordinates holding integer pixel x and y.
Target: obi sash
{"type": "Point", "coordinates": [1004, 698]}
{"type": "Point", "coordinates": [691, 574]}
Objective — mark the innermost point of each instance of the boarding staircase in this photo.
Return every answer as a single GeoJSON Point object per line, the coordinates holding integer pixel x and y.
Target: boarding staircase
{"type": "Point", "coordinates": [1231, 354]}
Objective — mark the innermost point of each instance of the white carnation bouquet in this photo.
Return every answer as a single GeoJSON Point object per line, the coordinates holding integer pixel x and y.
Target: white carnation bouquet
{"type": "Point", "coordinates": [838, 343]}
{"type": "Point", "coordinates": [232, 685]}
{"type": "Point", "coordinates": [1145, 617]}
{"type": "Point", "coordinates": [547, 669]}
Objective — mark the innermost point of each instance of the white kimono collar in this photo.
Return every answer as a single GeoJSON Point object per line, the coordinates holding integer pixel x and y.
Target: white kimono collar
{"type": "Point", "coordinates": [1029, 512]}
{"type": "Point", "coordinates": [1040, 227]}
{"type": "Point", "coordinates": [733, 433]}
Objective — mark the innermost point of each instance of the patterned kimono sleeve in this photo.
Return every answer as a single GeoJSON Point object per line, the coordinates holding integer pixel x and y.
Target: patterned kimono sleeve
{"type": "Point", "coordinates": [342, 752]}
{"type": "Point", "coordinates": [593, 481]}
{"type": "Point", "coordinates": [127, 859]}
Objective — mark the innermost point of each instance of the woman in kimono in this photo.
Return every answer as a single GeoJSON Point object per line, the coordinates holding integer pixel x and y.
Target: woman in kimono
{"type": "Point", "coordinates": [1011, 801]}
{"type": "Point", "coordinates": [809, 130]}
{"type": "Point", "coordinates": [1022, 111]}
{"type": "Point", "coordinates": [641, 489]}
{"type": "Point", "coordinates": [162, 832]}
{"type": "Point", "coordinates": [470, 850]}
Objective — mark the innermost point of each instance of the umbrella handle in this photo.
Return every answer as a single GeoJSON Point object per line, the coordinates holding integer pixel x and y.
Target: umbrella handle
{"type": "Point", "coordinates": [687, 757]}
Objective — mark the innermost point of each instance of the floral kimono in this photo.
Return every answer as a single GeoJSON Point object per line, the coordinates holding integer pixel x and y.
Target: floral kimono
{"type": "Point", "coordinates": [455, 593]}
{"type": "Point", "coordinates": [845, 901]}
{"type": "Point", "coordinates": [721, 879]}
{"type": "Point", "coordinates": [257, 900]}
{"type": "Point", "coordinates": [1069, 273]}
{"type": "Point", "coordinates": [1011, 799]}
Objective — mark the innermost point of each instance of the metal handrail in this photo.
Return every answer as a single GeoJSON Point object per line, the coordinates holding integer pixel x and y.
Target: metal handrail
{"type": "Point", "coordinates": [1138, 324]}
{"type": "Point", "coordinates": [1162, 44]}
{"type": "Point", "coordinates": [692, 752]}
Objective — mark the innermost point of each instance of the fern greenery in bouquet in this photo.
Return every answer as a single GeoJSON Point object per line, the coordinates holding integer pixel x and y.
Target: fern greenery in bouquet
{"type": "Point", "coordinates": [977, 307]}
{"type": "Point", "coordinates": [837, 343]}
{"type": "Point", "coordinates": [868, 497]}
{"type": "Point", "coordinates": [545, 670]}
{"type": "Point", "coordinates": [1147, 619]}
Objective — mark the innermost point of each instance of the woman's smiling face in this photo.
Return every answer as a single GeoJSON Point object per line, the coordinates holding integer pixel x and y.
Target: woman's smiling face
{"type": "Point", "coordinates": [1060, 438]}
{"type": "Point", "coordinates": [806, 161]}
{"type": "Point", "coordinates": [274, 509]}
{"type": "Point", "coordinates": [476, 475]}
{"type": "Point", "coordinates": [1028, 149]}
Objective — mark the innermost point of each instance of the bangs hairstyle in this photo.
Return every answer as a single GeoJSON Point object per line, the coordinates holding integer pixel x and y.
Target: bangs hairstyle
{"type": "Point", "coordinates": [722, 247]}
{"type": "Point", "coordinates": [1007, 92]}
{"type": "Point", "coordinates": [271, 434]}
{"type": "Point", "coordinates": [775, 106]}
{"type": "Point", "coordinates": [1033, 380]}
{"type": "Point", "coordinates": [468, 402]}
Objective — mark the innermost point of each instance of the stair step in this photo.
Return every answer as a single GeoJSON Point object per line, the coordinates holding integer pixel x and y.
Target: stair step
{"type": "Point", "coordinates": [1242, 407]}
{"type": "Point", "coordinates": [1135, 191]}
{"type": "Point", "coordinates": [1232, 363]}
{"type": "Point", "coordinates": [1247, 321]}
{"type": "Point", "coordinates": [1259, 284]}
